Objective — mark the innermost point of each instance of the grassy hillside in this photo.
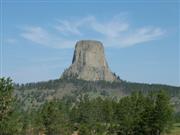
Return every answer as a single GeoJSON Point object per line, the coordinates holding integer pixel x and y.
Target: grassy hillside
{"type": "Point", "coordinates": [34, 94]}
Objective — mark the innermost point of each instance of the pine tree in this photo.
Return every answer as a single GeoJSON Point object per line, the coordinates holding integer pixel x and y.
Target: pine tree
{"type": "Point", "coordinates": [10, 120]}
{"type": "Point", "coordinates": [162, 114]}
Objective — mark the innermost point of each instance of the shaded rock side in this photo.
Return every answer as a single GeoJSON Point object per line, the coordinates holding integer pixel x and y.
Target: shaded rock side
{"type": "Point", "coordinates": [89, 62]}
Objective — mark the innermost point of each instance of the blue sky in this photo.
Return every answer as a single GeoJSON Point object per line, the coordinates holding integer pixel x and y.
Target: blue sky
{"type": "Point", "coordinates": [141, 38]}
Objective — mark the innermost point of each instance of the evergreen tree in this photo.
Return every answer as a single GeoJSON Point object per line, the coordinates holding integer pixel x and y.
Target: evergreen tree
{"type": "Point", "coordinates": [10, 120]}
{"type": "Point", "coordinates": [54, 119]}
{"type": "Point", "coordinates": [162, 113]}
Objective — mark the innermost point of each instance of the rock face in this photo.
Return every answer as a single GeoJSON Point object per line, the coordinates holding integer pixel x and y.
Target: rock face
{"type": "Point", "coordinates": [89, 62]}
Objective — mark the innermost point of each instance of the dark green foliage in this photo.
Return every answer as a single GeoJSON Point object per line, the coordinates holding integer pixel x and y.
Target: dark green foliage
{"type": "Point", "coordinates": [162, 113]}
{"type": "Point", "coordinates": [54, 118]}
{"type": "Point", "coordinates": [177, 117]}
{"type": "Point", "coordinates": [6, 91]}
{"type": "Point", "coordinates": [10, 120]}
{"type": "Point", "coordinates": [133, 115]}
{"type": "Point", "coordinates": [144, 115]}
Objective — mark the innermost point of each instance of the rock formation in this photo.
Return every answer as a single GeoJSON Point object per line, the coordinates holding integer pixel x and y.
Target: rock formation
{"type": "Point", "coordinates": [89, 62]}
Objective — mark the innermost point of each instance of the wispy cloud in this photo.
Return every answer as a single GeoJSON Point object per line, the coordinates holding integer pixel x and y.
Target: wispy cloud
{"type": "Point", "coordinates": [36, 34]}
{"type": "Point", "coordinates": [66, 27]}
{"type": "Point", "coordinates": [137, 36]}
{"type": "Point", "coordinates": [107, 28]}
{"type": "Point", "coordinates": [43, 37]}
{"type": "Point", "coordinates": [74, 26]}
{"type": "Point", "coordinates": [115, 32]}
{"type": "Point", "coordinates": [142, 35]}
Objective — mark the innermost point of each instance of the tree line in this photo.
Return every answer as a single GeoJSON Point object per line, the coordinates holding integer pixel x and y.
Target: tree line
{"type": "Point", "coordinates": [124, 86]}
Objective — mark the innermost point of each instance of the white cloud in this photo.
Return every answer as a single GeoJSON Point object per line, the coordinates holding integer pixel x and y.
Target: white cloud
{"type": "Point", "coordinates": [66, 26]}
{"type": "Point", "coordinates": [110, 28]}
{"type": "Point", "coordinates": [36, 34]}
{"type": "Point", "coordinates": [139, 36]}
{"type": "Point", "coordinates": [73, 26]}
{"type": "Point", "coordinates": [41, 36]}
{"type": "Point", "coordinates": [115, 32]}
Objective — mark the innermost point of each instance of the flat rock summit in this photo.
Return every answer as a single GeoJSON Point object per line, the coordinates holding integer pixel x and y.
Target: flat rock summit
{"type": "Point", "coordinates": [89, 62]}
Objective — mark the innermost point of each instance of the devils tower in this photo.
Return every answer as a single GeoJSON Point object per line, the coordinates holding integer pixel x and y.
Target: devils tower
{"type": "Point", "coordinates": [89, 62]}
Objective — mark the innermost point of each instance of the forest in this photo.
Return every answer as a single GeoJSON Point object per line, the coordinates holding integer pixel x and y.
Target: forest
{"type": "Point", "coordinates": [135, 114]}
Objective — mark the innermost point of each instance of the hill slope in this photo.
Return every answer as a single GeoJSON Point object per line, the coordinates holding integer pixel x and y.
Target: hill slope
{"type": "Point", "coordinates": [34, 94]}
